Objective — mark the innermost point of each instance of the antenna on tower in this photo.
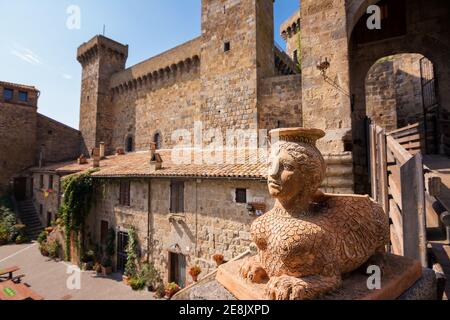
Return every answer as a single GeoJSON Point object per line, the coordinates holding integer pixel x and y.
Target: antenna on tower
{"type": "Point", "coordinates": [104, 30]}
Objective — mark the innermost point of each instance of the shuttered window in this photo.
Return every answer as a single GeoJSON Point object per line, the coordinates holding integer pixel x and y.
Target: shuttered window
{"type": "Point", "coordinates": [177, 197]}
{"type": "Point", "coordinates": [124, 198]}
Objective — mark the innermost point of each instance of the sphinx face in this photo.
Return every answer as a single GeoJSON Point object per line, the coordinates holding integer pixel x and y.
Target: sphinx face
{"type": "Point", "coordinates": [285, 179]}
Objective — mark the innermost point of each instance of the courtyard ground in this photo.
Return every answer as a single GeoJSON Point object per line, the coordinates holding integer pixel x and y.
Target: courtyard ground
{"type": "Point", "coordinates": [49, 278]}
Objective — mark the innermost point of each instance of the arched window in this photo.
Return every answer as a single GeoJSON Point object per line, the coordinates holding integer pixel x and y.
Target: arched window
{"type": "Point", "coordinates": [157, 140]}
{"type": "Point", "coordinates": [129, 144]}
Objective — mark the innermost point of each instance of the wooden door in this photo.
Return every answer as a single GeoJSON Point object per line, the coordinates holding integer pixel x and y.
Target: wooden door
{"type": "Point", "coordinates": [177, 271]}
{"type": "Point", "coordinates": [122, 242]}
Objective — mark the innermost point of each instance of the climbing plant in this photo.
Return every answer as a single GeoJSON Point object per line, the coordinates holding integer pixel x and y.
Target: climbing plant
{"type": "Point", "coordinates": [76, 204]}
{"type": "Point", "coordinates": [299, 51]}
{"type": "Point", "coordinates": [131, 250]}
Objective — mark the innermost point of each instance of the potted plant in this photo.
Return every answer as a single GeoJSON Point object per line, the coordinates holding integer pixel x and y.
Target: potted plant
{"type": "Point", "coordinates": [218, 258]}
{"type": "Point", "coordinates": [106, 266]}
{"type": "Point", "coordinates": [21, 239]}
{"type": "Point", "coordinates": [194, 272]}
{"type": "Point", "coordinates": [98, 268]}
{"type": "Point", "coordinates": [171, 289]}
{"type": "Point", "coordinates": [3, 235]}
{"type": "Point", "coordinates": [137, 283]}
{"type": "Point", "coordinates": [109, 252]}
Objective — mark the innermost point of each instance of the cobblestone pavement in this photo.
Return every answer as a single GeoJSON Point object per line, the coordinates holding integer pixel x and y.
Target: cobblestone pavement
{"type": "Point", "coordinates": [49, 278]}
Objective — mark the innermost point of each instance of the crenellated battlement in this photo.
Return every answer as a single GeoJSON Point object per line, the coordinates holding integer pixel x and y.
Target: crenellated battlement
{"type": "Point", "coordinates": [90, 50]}
{"type": "Point", "coordinates": [291, 26]}
{"type": "Point", "coordinates": [167, 65]}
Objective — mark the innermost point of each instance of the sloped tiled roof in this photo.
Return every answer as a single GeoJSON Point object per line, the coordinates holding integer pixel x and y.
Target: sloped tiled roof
{"type": "Point", "coordinates": [245, 164]}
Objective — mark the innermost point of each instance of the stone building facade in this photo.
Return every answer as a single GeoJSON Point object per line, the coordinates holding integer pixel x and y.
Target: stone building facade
{"type": "Point", "coordinates": [28, 138]}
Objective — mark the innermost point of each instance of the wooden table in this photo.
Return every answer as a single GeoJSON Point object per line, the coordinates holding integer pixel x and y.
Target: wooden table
{"type": "Point", "coordinates": [12, 291]}
{"type": "Point", "coordinates": [9, 272]}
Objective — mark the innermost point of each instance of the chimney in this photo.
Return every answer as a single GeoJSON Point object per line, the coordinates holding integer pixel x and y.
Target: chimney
{"type": "Point", "coordinates": [82, 159]}
{"type": "Point", "coordinates": [96, 156]}
{"type": "Point", "coordinates": [155, 158]}
{"type": "Point", "coordinates": [102, 150]}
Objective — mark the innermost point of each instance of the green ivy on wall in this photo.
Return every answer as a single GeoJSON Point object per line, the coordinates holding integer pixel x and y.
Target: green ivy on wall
{"type": "Point", "coordinates": [76, 204]}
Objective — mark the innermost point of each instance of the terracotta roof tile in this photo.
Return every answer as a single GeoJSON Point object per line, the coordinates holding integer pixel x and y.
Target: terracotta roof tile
{"type": "Point", "coordinates": [137, 164]}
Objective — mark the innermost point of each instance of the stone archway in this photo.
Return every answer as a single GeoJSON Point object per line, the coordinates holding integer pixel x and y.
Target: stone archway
{"type": "Point", "coordinates": [430, 38]}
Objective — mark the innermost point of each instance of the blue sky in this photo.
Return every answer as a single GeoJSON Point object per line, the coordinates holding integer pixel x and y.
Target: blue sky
{"type": "Point", "coordinates": [36, 47]}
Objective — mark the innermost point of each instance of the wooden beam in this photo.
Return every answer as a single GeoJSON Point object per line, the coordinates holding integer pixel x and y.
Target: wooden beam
{"type": "Point", "coordinates": [396, 217]}
{"type": "Point", "coordinates": [413, 209]}
{"type": "Point", "coordinates": [395, 191]}
{"type": "Point", "coordinates": [383, 176]}
{"type": "Point", "coordinates": [400, 154]}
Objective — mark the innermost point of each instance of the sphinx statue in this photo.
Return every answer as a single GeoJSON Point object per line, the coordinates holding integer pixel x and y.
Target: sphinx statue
{"type": "Point", "coordinates": [310, 240]}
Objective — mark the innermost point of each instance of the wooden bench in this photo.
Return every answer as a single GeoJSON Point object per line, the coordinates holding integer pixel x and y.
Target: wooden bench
{"type": "Point", "coordinates": [13, 291]}
{"type": "Point", "coordinates": [9, 272]}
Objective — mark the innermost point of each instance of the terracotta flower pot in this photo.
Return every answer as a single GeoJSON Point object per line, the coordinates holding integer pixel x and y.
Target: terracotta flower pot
{"type": "Point", "coordinates": [126, 280]}
{"type": "Point", "coordinates": [171, 292]}
{"type": "Point", "coordinates": [194, 278]}
{"type": "Point", "coordinates": [106, 270]}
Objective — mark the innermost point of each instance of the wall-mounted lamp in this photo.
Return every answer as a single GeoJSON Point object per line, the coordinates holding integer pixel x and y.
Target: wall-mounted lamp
{"type": "Point", "coordinates": [323, 66]}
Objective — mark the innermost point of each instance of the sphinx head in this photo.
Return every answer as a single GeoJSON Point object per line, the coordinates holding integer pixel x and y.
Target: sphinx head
{"type": "Point", "coordinates": [296, 167]}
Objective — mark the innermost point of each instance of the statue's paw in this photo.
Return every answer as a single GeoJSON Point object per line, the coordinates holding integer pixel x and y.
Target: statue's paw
{"type": "Point", "coordinates": [286, 288]}
{"type": "Point", "coordinates": [253, 271]}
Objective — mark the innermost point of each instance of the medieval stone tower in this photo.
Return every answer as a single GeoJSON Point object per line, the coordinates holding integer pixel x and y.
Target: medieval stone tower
{"type": "Point", "coordinates": [231, 77]}
{"type": "Point", "coordinates": [237, 51]}
{"type": "Point", "coordinates": [100, 58]}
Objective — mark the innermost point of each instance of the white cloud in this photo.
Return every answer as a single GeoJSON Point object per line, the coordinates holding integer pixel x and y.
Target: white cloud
{"type": "Point", "coordinates": [26, 55]}
{"type": "Point", "coordinates": [66, 76]}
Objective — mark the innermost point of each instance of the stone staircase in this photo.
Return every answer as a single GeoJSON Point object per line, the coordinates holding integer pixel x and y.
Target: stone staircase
{"type": "Point", "coordinates": [29, 217]}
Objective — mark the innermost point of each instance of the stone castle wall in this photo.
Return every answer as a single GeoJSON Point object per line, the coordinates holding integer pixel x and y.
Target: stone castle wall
{"type": "Point", "coordinates": [162, 105]}
{"type": "Point", "coordinates": [280, 102]}
{"type": "Point", "coordinates": [61, 142]}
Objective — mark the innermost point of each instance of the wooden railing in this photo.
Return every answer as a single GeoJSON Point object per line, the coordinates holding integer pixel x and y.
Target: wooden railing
{"type": "Point", "coordinates": [410, 138]}
{"type": "Point", "coordinates": [398, 185]}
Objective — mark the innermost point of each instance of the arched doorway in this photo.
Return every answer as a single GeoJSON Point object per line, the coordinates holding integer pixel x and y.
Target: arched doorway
{"type": "Point", "coordinates": [129, 144]}
{"type": "Point", "coordinates": [157, 139]}
{"type": "Point", "coordinates": [413, 26]}
{"type": "Point", "coordinates": [401, 90]}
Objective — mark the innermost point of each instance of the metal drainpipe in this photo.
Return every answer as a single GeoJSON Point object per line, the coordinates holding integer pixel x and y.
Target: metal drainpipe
{"type": "Point", "coordinates": [148, 219]}
{"type": "Point", "coordinates": [196, 217]}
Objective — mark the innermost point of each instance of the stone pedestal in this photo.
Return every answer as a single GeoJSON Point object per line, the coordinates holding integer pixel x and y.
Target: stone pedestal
{"type": "Point", "coordinates": [403, 279]}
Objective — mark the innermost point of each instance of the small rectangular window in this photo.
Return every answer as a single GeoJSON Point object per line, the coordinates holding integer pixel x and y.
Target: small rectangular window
{"type": "Point", "coordinates": [241, 195]}
{"type": "Point", "coordinates": [41, 210]}
{"type": "Point", "coordinates": [41, 181]}
{"type": "Point", "coordinates": [50, 181]}
{"type": "Point", "coordinates": [8, 94]}
{"type": "Point", "coordinates": [124, 199]}
{"type": "Point", "coordinates": [177, 197]}
{"type": "Point", "coordinates": [23, 96]}
{"type": "Point", "coordinates": [226, 46]}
